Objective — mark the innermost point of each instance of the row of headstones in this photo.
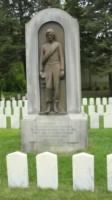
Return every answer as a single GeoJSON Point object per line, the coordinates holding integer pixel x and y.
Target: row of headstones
{"type": "Point", "coordinates": [13, 103]}
{"type": "Point", "coordinates": [94, 121]}
{"type": "Point", "coordinates": [85, 101]}
{"type": "Point", "coordinates": [47, 171]}
{"type": "Point", "coordinates": [8, 106]}
{"type": "Point", "coordinates": [8, 111]}
{"type": "Point", "coordinates": [13, 109]}
{"type": "Point", "coordinates": [100, 109]}
{"type": "Point", "coordinates": [97, 101]}
{"type": "Point", "coordinates": [15, 121]}
{"type": "Point", "coordinates": [18, 97]}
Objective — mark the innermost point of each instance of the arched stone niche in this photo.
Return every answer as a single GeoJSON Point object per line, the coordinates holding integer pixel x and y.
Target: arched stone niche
{"type": "Point", "coordinates": [70, 28]}
{"type": "Point", "coordinates": [59, 32]}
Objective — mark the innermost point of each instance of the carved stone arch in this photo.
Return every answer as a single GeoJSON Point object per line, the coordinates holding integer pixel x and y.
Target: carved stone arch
{"type": "Point", "coordinates": [72, 58]}
{"type": "Point", "coordinates": [59, 36]}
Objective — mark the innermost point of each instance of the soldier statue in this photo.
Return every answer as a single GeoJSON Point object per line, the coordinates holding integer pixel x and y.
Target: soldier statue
{"type": "Point", "coordinates": [52, 69]}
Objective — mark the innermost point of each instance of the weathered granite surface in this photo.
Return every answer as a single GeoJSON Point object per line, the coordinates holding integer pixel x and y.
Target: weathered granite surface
{"type": "Point", "coordinates": [57, 133]}
{"type": "Point", "coordinates": [64, 133]}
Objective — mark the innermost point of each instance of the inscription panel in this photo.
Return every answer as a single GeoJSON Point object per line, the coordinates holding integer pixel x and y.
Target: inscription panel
{"type": "Point", "coordinates": [53, 129]}
{"type": "Point", "coordinates": [54, 133]}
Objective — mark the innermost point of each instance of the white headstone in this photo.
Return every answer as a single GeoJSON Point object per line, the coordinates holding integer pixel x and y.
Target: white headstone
{"type": "Point", "coordinates": [84, 101]}
{"type": "Point", "coordinates": [2, 103]}
{"type": "Point", "coordinates": [91, 109]}
{"type": "Point", "coordinates": [8, 111]}
{"type": "Point", "coordinates": [15, 121]}
{"type": "Point", "coordinates": [108, 108]}
{"type": "Point", "coordinates": [16, 111]}
{"type": "Point", "coordinates": [1, 111]}
{"type": "Point", "coordinates": [20, 103]}
{"type": "Point", "coordinates": [94, 120]}
{"type": "Point", "coordinates": [14, 103]}
{"type": "Point", "coordinates": [110, 100]}
{"type": "Point", "coordinates": [83, 171]}
{"type": "Point", "coordinates": [3, 121]}
{"type": "Point", "coordinates": [25, 103]}
{"type": "Point", "coordinates": [108, 120]}
{"type": "Point", "coordinates": [100, 109]}
{"type": "Point", "coordinates": [104, 100]}
{"type": "Point", "coordinates": [91, 101]}
{"type": "Point", "coordinates": [47, 170]}
{"type": "Point", "coordinates": [98, 101]}
{"type": "Point", "coordinates": [17, 170]}
{"type": "Point", "coordinates": [8, 103]}
{"type": "Point", "coordinates": [23, 98]}
{"type": "Point", "coordinates": [109, 172]}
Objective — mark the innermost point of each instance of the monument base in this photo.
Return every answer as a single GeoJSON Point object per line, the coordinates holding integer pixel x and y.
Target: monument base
{"type": "Point", "coordinates": [54, 133]}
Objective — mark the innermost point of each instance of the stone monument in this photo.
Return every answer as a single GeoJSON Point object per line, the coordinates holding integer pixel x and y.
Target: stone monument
{"type": "Point", "coordinates": [52, 70]}
{"type": "Point", "coordinates": [54, 121]}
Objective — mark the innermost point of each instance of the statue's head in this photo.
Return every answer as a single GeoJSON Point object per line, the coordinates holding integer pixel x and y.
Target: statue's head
{"type": "Point", "coordinates": [50, 35]}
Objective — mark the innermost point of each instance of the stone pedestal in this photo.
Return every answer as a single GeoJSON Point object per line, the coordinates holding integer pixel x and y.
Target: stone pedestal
{"type": "Point", "coordinates": [62, 133]}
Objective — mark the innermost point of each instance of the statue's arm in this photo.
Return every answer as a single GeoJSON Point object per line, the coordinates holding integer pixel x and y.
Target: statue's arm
{"type": "Point", "coordinates": [61, 57]}
{"type": "Point", "coordinates": [41, 63]}
{"type": "Point", "coordinates": [61, 61]}
{"type": "Point", "coordinates": [41, 59]}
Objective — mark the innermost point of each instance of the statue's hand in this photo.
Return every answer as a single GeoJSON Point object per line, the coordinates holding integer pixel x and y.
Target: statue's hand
{"type": "Point", "coordinates": [62, 73]}
{"type": "Point", "coordinates": [42, 74]}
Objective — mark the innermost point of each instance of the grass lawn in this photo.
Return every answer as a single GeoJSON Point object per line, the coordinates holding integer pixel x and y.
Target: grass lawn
{"type": "Point", "coordinates": [99, 144]}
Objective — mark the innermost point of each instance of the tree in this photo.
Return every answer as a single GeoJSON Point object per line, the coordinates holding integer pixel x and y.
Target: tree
{"type": "Point", "coordinates": [13, 16]}
{"type": "Point", "coordinates": [102, 24]}
{"type": "Point", "coordinates": [10, 45]}
{"type": "Point", "coordinates": [96, 32]}
{"type": "Point", "coordinates": [48, 3]}
{"type": "Point", "coordinates": [22, 11]}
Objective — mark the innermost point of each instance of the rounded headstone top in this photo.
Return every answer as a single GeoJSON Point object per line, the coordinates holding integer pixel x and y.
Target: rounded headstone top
{"type": "Point", "coordinates": [52, 11]}
{"type": "Point", "coordinates": [53, 14]}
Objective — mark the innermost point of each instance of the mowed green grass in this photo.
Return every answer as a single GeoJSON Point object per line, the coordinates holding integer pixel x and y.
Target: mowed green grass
{"type": "Point", "coordinates": [99, 144]}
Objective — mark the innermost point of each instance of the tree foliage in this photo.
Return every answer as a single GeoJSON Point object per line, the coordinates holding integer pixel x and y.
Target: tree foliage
{"type": "Point", "coordinates": [96, 33]}
{"type": "Point", "coordinates": [13, 16]}
{"type": "Point", "coordinates": [10, 45]}
{"type": "Point", "coordinates": [95, 21]}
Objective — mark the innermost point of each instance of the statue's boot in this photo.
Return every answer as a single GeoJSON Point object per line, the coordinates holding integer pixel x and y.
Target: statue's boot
{"type": "Point", "coordinates": [56, 108]}
{"type": "Point", "coordinates": [48, 109]}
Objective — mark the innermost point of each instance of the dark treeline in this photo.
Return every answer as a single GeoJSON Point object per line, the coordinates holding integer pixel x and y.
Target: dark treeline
{"type": "Point", "coordinates": [95, 19]}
